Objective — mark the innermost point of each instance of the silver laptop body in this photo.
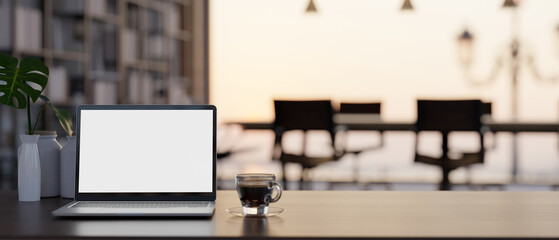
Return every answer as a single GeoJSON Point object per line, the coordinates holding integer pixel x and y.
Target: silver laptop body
{"type": "Point", "coordinates": [144, 160]}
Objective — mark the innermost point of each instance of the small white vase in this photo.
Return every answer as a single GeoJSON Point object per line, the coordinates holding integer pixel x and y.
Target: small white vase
{"type": "Point", "coordinates": [68, 168]}
{"type": "Point", "coordinates": [29, 169]}
{"type": "Point", "coordinates": [49, 153]}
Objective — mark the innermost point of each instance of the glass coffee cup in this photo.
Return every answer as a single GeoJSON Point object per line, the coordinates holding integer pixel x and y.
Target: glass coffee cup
{"type": "Point", "coordinates": [256, 192]}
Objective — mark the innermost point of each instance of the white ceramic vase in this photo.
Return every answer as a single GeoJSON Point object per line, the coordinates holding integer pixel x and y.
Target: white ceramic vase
{"type": "Point", "coordinates": [28, 169]}
{"type": "Point", "coordinates": [49, 153]}
{"type": "Point", "coordinates": [68, 168]}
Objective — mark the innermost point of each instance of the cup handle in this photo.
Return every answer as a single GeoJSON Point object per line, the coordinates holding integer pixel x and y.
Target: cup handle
{"type": "Point", "coordinates": [278, 189]}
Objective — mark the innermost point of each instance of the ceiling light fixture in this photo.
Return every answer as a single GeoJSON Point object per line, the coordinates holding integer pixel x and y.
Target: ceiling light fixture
{"type": "Point", "coordinates": [406, 6]}
{"type": "Point", "coordinates": [311, 8]}
{"type": "Point", "coordinates": [510, 4]}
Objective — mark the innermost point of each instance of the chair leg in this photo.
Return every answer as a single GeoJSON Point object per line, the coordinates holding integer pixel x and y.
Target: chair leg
{"type": "Point", "coordinates": [445, 182]}
{"type": "Point", "coordinates": [468, 170]}
{"type": "Point", "coordinates": [363, 186]}
{"type": "Point", "coordinates": [330, 186]}
{"type": "Point", "coordinates": [389, 186]}
{"type": "Point", "coordinates": [356, 168]}
{"type": "Point", "coordinates": [302, 180]}
{"type": "Point", "coordinates": [284, 179]}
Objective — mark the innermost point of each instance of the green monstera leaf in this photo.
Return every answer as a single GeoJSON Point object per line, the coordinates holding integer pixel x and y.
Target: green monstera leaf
{"type": "Point", "coordinates": [63, 115]}
{"type": "Point", "coordinates": [17, 82]}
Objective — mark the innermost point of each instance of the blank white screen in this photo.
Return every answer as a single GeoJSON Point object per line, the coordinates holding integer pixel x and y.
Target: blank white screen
{"type": "Point", "coordinates": [146, 151]}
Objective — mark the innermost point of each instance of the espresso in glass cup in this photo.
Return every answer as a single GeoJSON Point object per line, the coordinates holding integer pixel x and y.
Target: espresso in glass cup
{"type": "Point", "coordinates": [257, 191]}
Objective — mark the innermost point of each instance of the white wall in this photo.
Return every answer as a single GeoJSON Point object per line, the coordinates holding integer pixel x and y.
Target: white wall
{"type": "Point", "coordinates": [361, 50]}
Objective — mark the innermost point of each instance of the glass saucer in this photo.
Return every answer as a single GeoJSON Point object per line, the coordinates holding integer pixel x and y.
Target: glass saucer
{"type": "Point", "coordinates": [238, 211]}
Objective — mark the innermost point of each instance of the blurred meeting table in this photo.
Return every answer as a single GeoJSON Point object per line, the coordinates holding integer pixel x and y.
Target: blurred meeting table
{"type": "Point", "coordinates": [312, 214]}
{"type": "Point", "coordinates": [373, 122]}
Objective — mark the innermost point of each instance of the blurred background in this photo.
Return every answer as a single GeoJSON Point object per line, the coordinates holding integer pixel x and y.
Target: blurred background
{"type": "Point", "coordinates": [374, 51]}
{"type": "Point", "coordinates": [241, 55]}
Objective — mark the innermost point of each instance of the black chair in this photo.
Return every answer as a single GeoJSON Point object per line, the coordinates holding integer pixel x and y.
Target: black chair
{"type": "Point", "coordinates": [364, 108]}
{"type": "Point", "coordinates": [487, 108]}
{"type": "Point", "coordinates": [488, 116]}
{"type": "Point", "coordinates": [303, 116]}
{"type": "Point", "coordinates": [446, 117]}
{"type": "Point", "coordinates": [359, 108]}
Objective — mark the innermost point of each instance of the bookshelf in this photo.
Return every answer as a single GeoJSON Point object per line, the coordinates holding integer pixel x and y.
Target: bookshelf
{"type": "Point", "coordinates": [110, 51]}
{"type": "Point", "coordinates": [113, 51]}
{"type": "Point", "coordinates": [107, 52]}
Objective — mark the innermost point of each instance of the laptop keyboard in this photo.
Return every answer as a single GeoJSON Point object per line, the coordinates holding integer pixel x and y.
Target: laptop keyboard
{"type": "Point", "coordinates": [155, 204]}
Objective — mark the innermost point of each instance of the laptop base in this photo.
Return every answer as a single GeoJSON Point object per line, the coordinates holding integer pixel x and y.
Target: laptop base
{"type": "Point", "coordinates": [69, 211]}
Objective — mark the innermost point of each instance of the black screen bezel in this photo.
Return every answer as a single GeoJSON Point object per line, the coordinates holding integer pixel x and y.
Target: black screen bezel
{"type": "Point", "coordinates": [185, 196]}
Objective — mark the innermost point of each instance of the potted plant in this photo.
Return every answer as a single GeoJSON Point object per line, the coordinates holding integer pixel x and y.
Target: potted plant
{"type": "Point", "coordinates": [21, 84]}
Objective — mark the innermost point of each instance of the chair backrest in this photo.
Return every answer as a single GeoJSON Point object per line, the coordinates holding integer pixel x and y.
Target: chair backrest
{"type": "Point", "coordinates": [487, 108]}
{"type": "Point", "coordinates": [372, 108]}
{"type": "Point", "coordinates": [447, 116]}
{"type": "Point", "coordinates": [304, 115]}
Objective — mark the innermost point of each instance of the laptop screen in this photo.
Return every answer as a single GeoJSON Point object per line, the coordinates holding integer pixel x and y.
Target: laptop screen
{"type": "Point", "coordinates": [146, 151]}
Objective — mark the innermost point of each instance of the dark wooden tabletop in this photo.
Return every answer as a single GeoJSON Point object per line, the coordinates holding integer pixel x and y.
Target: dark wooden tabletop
{"type": "Point", "coordinates": [314, 214]}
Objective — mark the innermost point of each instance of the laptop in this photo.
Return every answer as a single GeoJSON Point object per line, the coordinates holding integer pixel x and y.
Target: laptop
{"type": "Point", "coordinates": [144, 160]}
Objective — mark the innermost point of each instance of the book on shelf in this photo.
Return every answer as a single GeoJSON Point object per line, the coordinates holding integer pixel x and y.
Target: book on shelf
{"type": "Point", "coordinates": [133, 17]}
{"type": "Point", "coordinates": [129, 45]}
{"type": "Point", "coordinates": [105, 92]}
{"type": "Point", "coordinates": [104, 75]}
{"type": "Point", "coordinates": [133, 95]}
{"type": "Point", "coordinates": [140, 88]}
{"type": "Point", "coordinates": [175, 49]}
{"type": "Point", "coordinates": [67, 34]}
{"type": "Point", "coordinates": [109, 43]}
{"type": "Point", "coordinates": [6, 24]}
{"type": "Point", "coordinates": [173, 18]}
{"type": "Point", "coordinates": [29, 29]}
{"type": "Point", "coordinates": [154, 22]}
{"type": "Point", "coordinates": [159, 91]}
{"type": "Point", "coordinates": [103, 46]}
{"type": "Point", "coordinates": [97, 63]}
{"type": "Point", "coordinates": [58, 34]}
{"type": "Point", "coordinates": [78, 98]}
{"type": "Point", "coordinates": [68, 7]}
{"type": "Point", "coordinates": [97, 7]}
{"type": "Point", "coordinates": [177, 91]}
{"type": "Point", "coordinates": [158, 47]}
{"type": "Point", "coordinates": [147, 89]}
{"type": "Point", "coordinates": [57, 88]}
